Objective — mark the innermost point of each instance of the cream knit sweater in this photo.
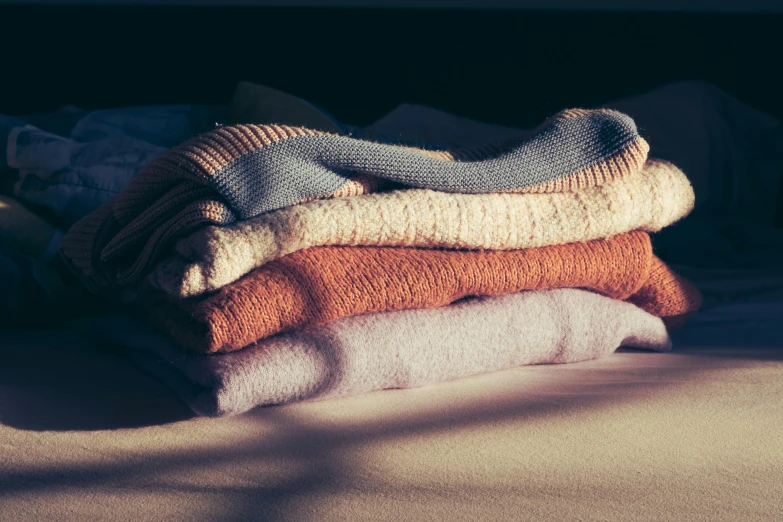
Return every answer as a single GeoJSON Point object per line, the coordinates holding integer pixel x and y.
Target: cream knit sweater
{"type": "Point", "coordinates": [213, 257]}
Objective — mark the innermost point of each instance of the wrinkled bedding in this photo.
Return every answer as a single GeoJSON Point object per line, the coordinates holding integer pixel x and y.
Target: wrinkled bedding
{"type": "Point", "coordinates": [692, 434]}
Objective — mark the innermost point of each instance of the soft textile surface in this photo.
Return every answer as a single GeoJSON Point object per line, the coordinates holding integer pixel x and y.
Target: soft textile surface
{"type": "Point", "coordinates": [241, 171]}
{"type": "Point", "coordinates": [72, 161]}
{"type": "Point", "coordinates": [211, 258]}
{"type": "Point", "coordinates": [733, 156]}
{"type": "Point", "coordinates": [409, 123]}
{"type": "Point", "coordinates": [693, 434]}
{"type": "Point", "coordinates": [321, 284]}
{"type": "Point", "coordinates": [25, 232]}
{"type": "Point", "coordinates": [403, 349]}
{"type": "Point", "coordinates": [731, 153]}
{"type": "Point", "coordinates": [259, 104]}
{"type": "Point", "coordinates": [31, 294]}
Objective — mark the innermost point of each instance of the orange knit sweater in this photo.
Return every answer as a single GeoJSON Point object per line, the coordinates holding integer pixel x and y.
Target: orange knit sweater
{"type": "Point", "coordinates": [322, 284]}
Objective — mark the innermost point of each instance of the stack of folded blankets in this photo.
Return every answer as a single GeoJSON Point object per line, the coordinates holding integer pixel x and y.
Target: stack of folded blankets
{"type": "Point", "coordinates": [286, 264]}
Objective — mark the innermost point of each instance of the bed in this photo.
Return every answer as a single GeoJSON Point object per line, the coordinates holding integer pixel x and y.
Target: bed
{"type": "Point", "coordinates": [689, 435]}
{"type": "Point", "coordinates": [693, 434]}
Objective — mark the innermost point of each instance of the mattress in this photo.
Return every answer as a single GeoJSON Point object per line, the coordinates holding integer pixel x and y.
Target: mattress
{"type": "Point", "coordinates": [694, 434]}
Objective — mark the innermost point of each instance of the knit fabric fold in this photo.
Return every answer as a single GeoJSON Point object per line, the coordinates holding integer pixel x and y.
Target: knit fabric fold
{"type": "Point", "coordinates": [213, 257]}
{"type": "Point", "coordinates": [403, 349]}
{"type": "Point", "coordinates": [238, 172]}
{"type": "Point", "coordinates": [322, 284]}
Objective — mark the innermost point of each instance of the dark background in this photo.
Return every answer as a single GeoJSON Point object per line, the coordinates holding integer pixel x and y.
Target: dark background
{"type": "Point", "coordinates": [505, 66]}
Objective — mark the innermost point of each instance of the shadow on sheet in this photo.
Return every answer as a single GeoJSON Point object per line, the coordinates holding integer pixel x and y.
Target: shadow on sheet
{"type": "Point", "coordinates": [57, 380]}
{"type": "Point", "coordinates": [63, 381]}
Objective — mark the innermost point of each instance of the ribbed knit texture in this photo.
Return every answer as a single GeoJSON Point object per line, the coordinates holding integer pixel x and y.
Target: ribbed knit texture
{"type": "Point", "coordinates": [402, 349]}
{"type": "Point", "coordinates": [242, 171]}
{"type": "Point", "coordinates": [215, 256]}
{"type": "Point", "coordinates": [322, 284]}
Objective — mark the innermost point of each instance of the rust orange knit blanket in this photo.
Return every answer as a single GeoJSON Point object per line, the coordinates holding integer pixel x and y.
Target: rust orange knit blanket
{"type": "Point", "coordinates": [322, 284]}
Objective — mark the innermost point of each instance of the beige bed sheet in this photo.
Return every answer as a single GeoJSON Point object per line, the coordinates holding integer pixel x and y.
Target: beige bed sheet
{"type": "Point", "coordinates": [696, 434]}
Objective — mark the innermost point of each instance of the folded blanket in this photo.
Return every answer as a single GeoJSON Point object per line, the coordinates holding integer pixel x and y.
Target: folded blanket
{"type": "Point", "coordinates": [242, 171]}
{"type": "Point", "coordinates": [396, 349]}
{"type": "Point", "coordinates": [322, 284]}
{"type": "Point", "coordinates": [215, 256]}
